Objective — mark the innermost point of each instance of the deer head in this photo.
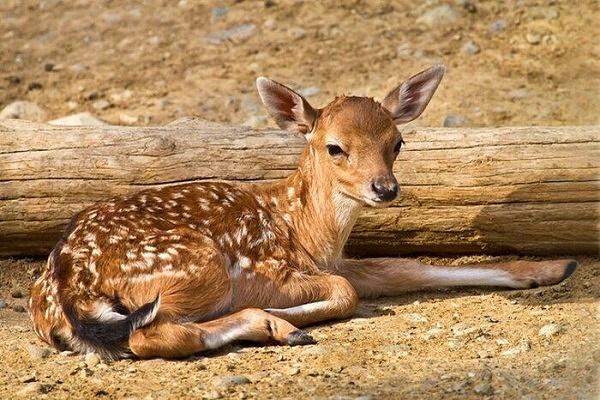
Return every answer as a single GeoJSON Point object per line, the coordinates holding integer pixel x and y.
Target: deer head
{"type": "Point", "coordinates": [353, 141]}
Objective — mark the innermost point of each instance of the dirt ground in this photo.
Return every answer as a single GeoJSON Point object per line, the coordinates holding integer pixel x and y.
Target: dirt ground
{"type": "Point", "coordinates": [469, 343]}
{"type": "Point", "coordinates": [148, 63]}
{"type": "Point", "coordinates": [153, 61]}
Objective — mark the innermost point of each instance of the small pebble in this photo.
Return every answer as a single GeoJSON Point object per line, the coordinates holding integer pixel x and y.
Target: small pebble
{"type": "Point", "coordinates": [101, 104]}
{"type": "Point", "coordinates": [17, 294]}
{"type": "Point", "coordinates": [498, 26]}
{"type": "Point", "coordinates": [31, 389]}
{"type": "Point", "coordinates": [296, 32]}
{"type": "Point", "coordinates": [453, 120]}
{"type": "Point", "coordinates": [533, 38]}
{"type": "Point", "coordinates": [483, 388]}
{"type": "Point", "coordinates": [231, 380]}
{"type": "Point", "coordinates": [550, 330]}
{"type": "Point", "coordinates": [91, 360]}
{"type": "Point", "coordinates": [2, 304]}
{"type": "Point", "coordinates": [37, 352]}
{"type": "Point", "coordinates": [416, 318]}
{"type": "Point", "coordinates": [28, 378]}
{"type": "Point", "coordinates": [471, 48]}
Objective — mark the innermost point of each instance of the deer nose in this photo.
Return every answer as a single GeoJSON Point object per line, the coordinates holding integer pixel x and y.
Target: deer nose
{"type": "Point", "coordinates": [386, 188]}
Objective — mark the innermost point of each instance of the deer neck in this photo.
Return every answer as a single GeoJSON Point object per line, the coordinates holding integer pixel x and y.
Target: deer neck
{"type": "Point", "coordinates": [321, 216]}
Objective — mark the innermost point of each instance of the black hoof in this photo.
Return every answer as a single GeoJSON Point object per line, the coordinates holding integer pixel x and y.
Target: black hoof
{"type": "Point", "coordinates": [571, 267]}
{"type": "Point", "coordinates": [300, 338]}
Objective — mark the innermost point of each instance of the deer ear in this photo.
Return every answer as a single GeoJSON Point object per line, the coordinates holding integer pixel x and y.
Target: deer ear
{"type": "Point", "coordinates": [407, 101]}
{"type": "Point", "coordinates": [289, 110]}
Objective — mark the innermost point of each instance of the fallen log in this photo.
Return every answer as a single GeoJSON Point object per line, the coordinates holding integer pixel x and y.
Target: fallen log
{"type": "Point", "coordinates": [531, 190]}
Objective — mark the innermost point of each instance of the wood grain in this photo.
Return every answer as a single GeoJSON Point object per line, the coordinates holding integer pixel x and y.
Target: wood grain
{"type": "Point", "coordinates": [531, 190]}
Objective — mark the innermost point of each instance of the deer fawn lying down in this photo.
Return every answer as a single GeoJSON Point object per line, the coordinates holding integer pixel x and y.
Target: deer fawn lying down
{"type": "Point", "coordinates": [173, 271]}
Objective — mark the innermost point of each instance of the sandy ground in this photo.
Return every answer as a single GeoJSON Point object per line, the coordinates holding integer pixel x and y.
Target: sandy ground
{"type": "Point", "coordinates": [143, 64]}
{"type": "Point", "coordinates": [469, 343]}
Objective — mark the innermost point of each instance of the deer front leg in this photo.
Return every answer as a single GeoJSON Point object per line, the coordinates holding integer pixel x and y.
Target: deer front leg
{"type": "Point", "coordinates": [375, 277]}
{"type": "Point", "coordinates": [305, 300]}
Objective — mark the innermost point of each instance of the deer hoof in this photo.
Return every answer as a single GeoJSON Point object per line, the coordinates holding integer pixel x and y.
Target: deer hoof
{"type": "Point", "coordinates": [299, 338]}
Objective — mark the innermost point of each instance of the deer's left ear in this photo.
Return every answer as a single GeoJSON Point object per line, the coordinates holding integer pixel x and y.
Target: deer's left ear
{"type": "Point", "coordinates": [408, 101]}
{"type": "Point", "coordinates": [289, 110]}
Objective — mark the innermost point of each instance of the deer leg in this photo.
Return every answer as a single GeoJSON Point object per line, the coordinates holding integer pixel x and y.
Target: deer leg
{"type": "Point", "coordinates": [306, 300]}
{"type": "Point", "coordinates": [376, 277]}
{"type": "Point", "coordinates": [174, 340]}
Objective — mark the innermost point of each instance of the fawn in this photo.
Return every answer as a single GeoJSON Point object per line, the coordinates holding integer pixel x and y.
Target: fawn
{"type": "Point", "coordinates": [174, 271]}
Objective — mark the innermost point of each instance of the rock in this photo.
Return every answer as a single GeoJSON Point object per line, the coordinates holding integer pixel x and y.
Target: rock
{"type": "Point", "coordinates": [296, 32]}
{"type": "Point", "coordinates": [28, 378]}
{"type": "Point", "coordinates": [128, 119]}
{"type": "Point", "coordinates": [454, 120]}
{"type": "Point", "coordinates": [439, 16]}
{"type": "Point", "coordinates": [461, 330]}
{"type": "Point", "coordinates": [79, 119]}
{"type": "Point", "coordinates": [502, 342]}
{"type": "Point", "coordinates": [518, 93]}
{"type": "Point", "coordinates": [213, 395]}
{"type": "Point", "coordinates": [533, 38]}
{"type": "Point", "coordinates": [293, 371]}
{"type": "Point", "coordinates": [471, 48]}
{"type": "Point", "coordinates": [218, 13]}
{"type": "Point", "coordinates": [270, 24]}
{"type": "Point", "coordinates": [483, 388]}
{"type": "Point", "coordinates": [72, 105]}
{"type": "Point", "coordinates": [416, 318]}
{"type": "Point", "coordinates": [91, 360]}
{"type": "Point", "coordinates": [2, 304]}
{"type": "Point", "coordinates": [231, 380]}
{"type": "Point", "coordinates": [121, 96]}
{"type": "Point", "coordinates": [24, 110]}
{"type": "Point", "coordinates": [37, 353]}
{"type": "Point", "coordinates": [541, 12]}
{"type": "Point", "coordinates": [550, 330]}
{"type": "Point", "coordinates": [237, 34]}
{"type": "Point", "coordinates": [30, 389]}
{"type": "Point", "coordinates": [101, 104]}
{"type": "Point", "coordinates": [17, 294]}
{"type": "Point", "coordinates": [432, 333]}
{"type": "Point", "coordinates": [18, 308]}
{"type": "Point", "coordinates": [522, 347]}
{"type": "Point", "coordinates": [309, 91]}
{"type": "Point", "coordinates": [498, 26]}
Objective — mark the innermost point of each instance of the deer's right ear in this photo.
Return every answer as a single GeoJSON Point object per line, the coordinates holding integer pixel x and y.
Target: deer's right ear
{"type": "Point", "coordinates": [289, 110]}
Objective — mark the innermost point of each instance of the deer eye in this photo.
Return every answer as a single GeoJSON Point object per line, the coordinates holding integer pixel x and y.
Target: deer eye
{"type": "Point", "coordinates": [334, 150]}
{"type": "Point", "coordinates": [398, 146]}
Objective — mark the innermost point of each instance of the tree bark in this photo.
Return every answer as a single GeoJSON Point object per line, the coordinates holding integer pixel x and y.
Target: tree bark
{"type": "Point", "coordinates": [531, 190]}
